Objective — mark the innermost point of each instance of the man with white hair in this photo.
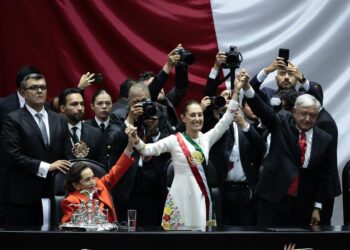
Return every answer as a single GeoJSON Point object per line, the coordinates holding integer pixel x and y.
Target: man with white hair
{"type": "Point", "coordinates": [293, 182]}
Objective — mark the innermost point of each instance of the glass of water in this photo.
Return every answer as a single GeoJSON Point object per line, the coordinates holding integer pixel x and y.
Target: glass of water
{"type": "Point", "coordinates": [131, 220]}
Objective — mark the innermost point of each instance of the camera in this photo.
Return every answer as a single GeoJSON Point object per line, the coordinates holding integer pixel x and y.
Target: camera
{"type": "Point", "coordinates": [233, 58]}
{"type": "Point", "coordinates": [98, 78]}
{"type": "Point", "coordinates": [218, 102]}
{"type": "Point", "coordinates": [186, 56]}
{"type": "Point", "coordinates": [149, 110]}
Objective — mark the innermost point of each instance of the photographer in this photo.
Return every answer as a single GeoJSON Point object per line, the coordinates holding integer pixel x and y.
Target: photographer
{"type": "Point", "coordinates": [287, 77]}
{"type": "Point", "coordinates": [143, 185]}
{"type": "Point", "coordinates": [180, 58]}
{"type": "Point", "coordinates": [236, 156]}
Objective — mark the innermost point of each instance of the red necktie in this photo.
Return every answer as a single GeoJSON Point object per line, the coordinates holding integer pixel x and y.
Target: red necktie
{"type": "Point", "coordinates": [293, 188]}
{"type": "Point", "coordinates": [230, 166]}
{"type": "Point", "coordinates": [302, 146]}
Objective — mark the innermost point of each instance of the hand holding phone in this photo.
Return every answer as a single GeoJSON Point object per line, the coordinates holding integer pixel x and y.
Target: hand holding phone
{"type": "Point", "coordinates": [284, 53]}
{"type": "Point", "coordinates": [98, 78]}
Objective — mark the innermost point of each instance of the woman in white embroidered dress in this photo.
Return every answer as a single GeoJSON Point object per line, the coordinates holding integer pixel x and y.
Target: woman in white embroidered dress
{"type": "Point", "coordinates": [186, 203]}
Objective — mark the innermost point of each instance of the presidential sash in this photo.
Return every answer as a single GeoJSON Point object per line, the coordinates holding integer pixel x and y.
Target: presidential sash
{"type": "Point", "coordinates": [194, 159]}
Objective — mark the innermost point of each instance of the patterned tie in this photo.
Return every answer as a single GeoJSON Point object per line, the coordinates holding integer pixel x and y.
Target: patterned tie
{"type": "Point", "coordinates": [102, 127]}
{"type": "Point", "coordinates": [293, 188]}
{"type": "Point", "coordinates": [42, 128]}
{"type": "Point", "coordinates": [74, 135]}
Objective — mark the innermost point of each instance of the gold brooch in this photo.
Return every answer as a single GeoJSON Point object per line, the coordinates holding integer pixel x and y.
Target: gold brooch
{"type": "Point", "coordinates": [196, 158]}
{"type": "Point", "coordinates": [80, 150]}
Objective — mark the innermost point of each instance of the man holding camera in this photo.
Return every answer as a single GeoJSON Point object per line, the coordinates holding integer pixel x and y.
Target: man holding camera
{"type": "Point", "coordinates": [143, 186]}
{"type": "Point", "coordinates": [180, 58]}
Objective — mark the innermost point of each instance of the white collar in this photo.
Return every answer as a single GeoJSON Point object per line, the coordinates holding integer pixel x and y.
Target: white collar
{"type": "Point", "coordinates": [33, 111]}
{"type": "Point", "coordinates": [78, 125]}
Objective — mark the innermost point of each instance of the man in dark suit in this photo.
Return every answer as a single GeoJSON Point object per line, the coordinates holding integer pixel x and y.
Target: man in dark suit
{"type": "Point", "coordinates": [326, 122]}
{"type": "Point", "coordinates": [101, 104]}
{"type": "Point", "coordinates": [293, 182]}
{"type": "Point", "coordinates": [8, 104]}
{"type": "Point", "coordinates": [32, 139]}
{"type": "Point", "coordinates": [143, 186]}
{"type": "Point", "coordinates": [82, 137]}
{"type": "Point", "coordinates": [237, 158]}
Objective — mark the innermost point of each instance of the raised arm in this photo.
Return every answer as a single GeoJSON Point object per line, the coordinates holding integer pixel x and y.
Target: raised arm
{"type": "Point", "coordinates": [259, 107]}
{"type": "Point", "coordinates": [214, 134]}
{"type": "Point", "coordinates": [179, 90]}
{"type": "Point", "coordinates": [213, 82]}
{"type": "Point", "coordinates": [159, 80]}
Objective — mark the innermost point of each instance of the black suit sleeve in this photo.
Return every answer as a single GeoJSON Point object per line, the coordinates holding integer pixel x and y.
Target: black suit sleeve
{"type": "Point", "coordinates": [254, 82]}
{"type": "Point", "coordinates": [211, 86]}
{"type": "Point", "coordinates": [256, 141]}
{"type": "Point", "coordinates": [11, 144]}
{"type": "Point", "coordinates": [157, 84]}
{"type": "Point", "coordinates": [263, 111]}
{"type": "Point", "coordinates": [177, 92]}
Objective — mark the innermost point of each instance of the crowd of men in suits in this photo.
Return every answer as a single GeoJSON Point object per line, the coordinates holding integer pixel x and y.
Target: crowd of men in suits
{"type": "Point", "coordinates": [265, 177]}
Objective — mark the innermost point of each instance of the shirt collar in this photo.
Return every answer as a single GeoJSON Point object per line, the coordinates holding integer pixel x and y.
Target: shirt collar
{"type": "Point", "coordinates": [78, 125]}
{"type": "Point", "coordinates": [33, 111]}
{"type": "Point", "coordinates": [307, 133]}
{"type": "Point", "coordinates": [106, 123]}
{"type": "Point", "coordinates": [21, 100]}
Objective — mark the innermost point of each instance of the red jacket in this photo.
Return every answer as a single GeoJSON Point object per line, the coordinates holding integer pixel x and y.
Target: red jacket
{"type": "Point", "coordinates": [103, 186]}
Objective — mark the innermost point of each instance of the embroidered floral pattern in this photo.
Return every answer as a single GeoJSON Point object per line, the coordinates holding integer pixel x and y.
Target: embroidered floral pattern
{"type": "Point", "coordinates": [171, 215]}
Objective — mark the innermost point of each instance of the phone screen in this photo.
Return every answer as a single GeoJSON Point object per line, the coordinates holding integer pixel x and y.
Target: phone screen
{"type": "Point", "coordinates": [284, 53]}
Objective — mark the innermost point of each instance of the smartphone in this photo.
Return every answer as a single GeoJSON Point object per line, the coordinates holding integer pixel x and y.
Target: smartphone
{"type": "Point", "coordinates": [98, 78]}
{"type": "Point", "coordinates": [284, 53]}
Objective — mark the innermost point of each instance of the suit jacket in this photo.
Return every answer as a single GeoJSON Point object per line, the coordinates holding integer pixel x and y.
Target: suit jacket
{"type": "Point", "coordinates": [121, 103]}
{"type": "Point", "coordinates": [8, 104]}
{"type": "Point", "coordinates": [118, 116]}
{"type": "Point", "coordinates": [107, 138]}
{"type": "Point", "coordinates": [282, 164]}
{"type": "Point", "coordinates": [92, 137]}
{"type": "Point", "coordinates": [24, 149]}
{"type": "Point", "coordinates": [326, 122]}
{"type": "Point", "coordinates": [103, 186]}
{"type": "Point", "coordinates": [251, 150]}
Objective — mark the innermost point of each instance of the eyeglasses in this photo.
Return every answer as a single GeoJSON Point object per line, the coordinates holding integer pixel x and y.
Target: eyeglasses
{"type": "Point", "coordinates": [36, 87]}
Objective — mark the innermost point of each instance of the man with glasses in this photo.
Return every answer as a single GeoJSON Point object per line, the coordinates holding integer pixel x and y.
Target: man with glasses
{"type": "Point", "coordinates": [33, 142]}
{"type": "Point", "coordinates": [293, 182]}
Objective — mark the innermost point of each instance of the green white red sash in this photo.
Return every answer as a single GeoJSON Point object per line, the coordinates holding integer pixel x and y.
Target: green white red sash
{"type": "Point", "coordinates": [194, 168]}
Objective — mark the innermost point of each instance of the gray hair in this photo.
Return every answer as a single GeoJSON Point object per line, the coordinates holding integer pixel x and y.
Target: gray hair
{"type": "Point", "coordinates": [139, 87]}
{"type": "Point", "coordinates": [34, 76]}
{"type": "Point", "coordinates": [305, 101]}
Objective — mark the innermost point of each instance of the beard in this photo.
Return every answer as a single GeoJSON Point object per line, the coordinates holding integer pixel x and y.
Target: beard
{"type": "Point", "coordinates": [75, 118]}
